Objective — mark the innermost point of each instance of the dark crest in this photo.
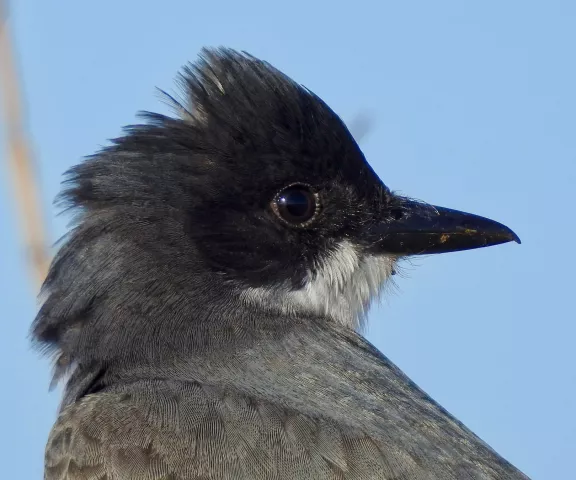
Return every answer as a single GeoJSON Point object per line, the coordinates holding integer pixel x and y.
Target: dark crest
{"type": "Point", "coordinates": [176, 207]}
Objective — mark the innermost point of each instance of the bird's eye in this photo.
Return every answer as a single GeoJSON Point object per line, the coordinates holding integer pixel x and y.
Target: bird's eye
{"type": "Point", "coordinates": [296, 205]}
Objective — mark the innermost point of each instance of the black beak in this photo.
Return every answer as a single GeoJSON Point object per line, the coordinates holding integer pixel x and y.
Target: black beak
{"type": "Point", "coordinates": [415, 228]}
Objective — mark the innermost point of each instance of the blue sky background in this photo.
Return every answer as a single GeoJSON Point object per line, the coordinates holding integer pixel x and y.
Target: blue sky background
{"type": "Point", "coordinates": [475, 108]}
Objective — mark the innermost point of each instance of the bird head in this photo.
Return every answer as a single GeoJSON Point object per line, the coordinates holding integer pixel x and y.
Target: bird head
{"type": "Point", "coordinates": [253, 197]}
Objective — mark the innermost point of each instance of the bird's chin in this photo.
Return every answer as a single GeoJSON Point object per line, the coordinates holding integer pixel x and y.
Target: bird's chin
{"type": "Point", "coordinates": [342, 287]}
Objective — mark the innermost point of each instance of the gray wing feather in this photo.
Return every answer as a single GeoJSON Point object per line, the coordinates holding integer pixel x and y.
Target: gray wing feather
{"type": "Point", "coordinates": [187, 431]}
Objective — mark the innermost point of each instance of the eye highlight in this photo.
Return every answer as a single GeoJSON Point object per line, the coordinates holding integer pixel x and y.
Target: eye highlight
{"type": "Point", "coordinates": [297, 205]}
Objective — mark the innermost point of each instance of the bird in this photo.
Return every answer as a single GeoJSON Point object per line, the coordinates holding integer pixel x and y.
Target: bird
{"type": "Point", "coordinates": [204, 313]}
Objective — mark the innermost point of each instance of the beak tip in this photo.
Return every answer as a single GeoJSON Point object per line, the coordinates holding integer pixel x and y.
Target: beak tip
{"type": "Point", "coordinates": [513, 237]}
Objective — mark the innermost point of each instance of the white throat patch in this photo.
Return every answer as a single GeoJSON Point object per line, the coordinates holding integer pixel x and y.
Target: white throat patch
{"type": "Point", "coordinates": [343, 287]}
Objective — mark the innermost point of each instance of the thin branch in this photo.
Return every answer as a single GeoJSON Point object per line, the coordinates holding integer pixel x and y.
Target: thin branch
{"type": "Point", "coordinates": [21, 165]}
